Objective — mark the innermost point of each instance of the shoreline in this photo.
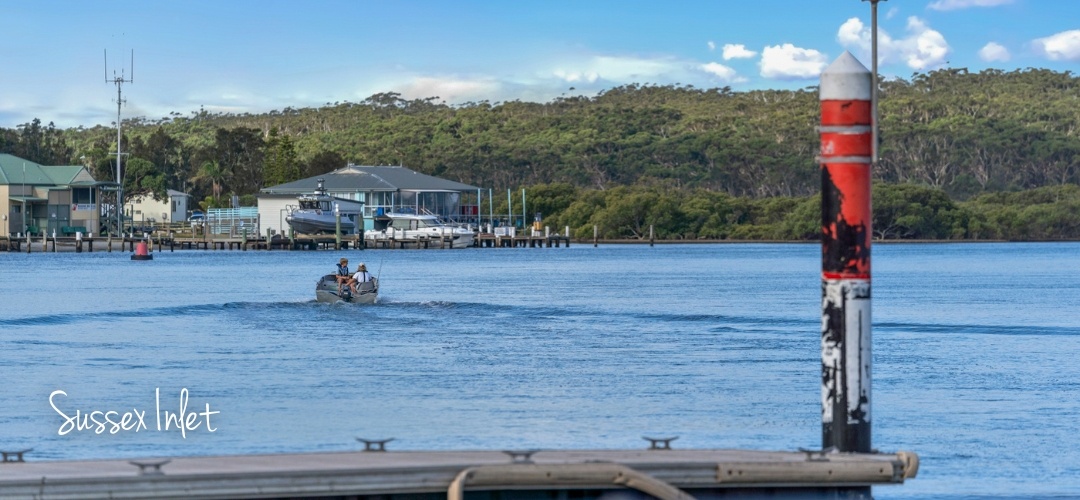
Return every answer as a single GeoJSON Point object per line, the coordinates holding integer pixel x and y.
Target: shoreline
{"type": "Point", "coordinates": [62, 247]}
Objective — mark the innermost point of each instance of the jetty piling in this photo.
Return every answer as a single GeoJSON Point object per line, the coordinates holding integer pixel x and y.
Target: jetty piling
{"type": "Point", "coordinates": [846, 232]}
{"type": "Point", "coordinates": [337, 227]}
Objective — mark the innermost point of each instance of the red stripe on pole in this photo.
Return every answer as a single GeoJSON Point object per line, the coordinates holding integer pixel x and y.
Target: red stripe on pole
{"type": "Point", "coordinates": [845, 276]}
{"type": "Point", "coordinates": [852, 181]}
{"type": "Point", "coordinates": [845, 112]}
{"type": "Point", "coordinates": [844, 144]}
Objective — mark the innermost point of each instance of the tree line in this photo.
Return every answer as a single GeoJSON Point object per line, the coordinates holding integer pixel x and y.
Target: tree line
{"type": "Point", "coordinates": [966, 137]}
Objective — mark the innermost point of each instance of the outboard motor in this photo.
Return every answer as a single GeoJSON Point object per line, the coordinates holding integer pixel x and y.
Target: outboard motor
{"type": "Point", "coordinates": [346, 294]}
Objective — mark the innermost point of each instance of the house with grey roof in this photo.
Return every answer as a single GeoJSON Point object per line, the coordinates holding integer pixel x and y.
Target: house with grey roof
{"type": "Point", "coordinates": [380, 189]}
{"type": "Point", "coordinates": [40, 199]}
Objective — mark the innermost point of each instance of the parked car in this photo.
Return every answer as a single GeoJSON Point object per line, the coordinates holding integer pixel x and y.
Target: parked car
{"type": "Point", "coordinates": [196, 216]}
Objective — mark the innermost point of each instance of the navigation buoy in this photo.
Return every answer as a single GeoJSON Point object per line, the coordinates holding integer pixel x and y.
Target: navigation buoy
{"type": "Point", "coordinates": [141, 253]}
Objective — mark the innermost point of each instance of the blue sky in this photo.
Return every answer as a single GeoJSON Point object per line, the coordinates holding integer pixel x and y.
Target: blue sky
{"type": "Point", "coordinates": [257, 56]}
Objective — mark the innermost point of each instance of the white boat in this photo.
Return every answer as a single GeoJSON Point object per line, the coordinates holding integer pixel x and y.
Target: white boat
{"type": "Point", "coordinates": [401, 226]}
{"type": "Point", "coordinates": [326, 290]}
{"type": "Point", "coordinates": [315, 214]}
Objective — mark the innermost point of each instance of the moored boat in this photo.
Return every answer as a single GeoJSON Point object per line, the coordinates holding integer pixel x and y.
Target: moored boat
{"type": "Point", "coordinates": [401, 226]}
{"type": "Point", "coordinates": [315, 214]}
{"type": "Point", "coordinates": [326, 290]}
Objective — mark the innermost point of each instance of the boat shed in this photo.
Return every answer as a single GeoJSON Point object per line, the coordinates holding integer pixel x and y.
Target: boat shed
{"type": "Point", "coordinates": [381, 189]}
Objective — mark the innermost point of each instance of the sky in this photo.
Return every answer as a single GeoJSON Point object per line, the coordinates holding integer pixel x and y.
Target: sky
{"type": "Point", "coordinates": [248, 56]}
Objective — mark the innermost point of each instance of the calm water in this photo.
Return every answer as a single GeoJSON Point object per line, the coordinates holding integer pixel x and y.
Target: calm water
{"type": "Point", "coordinates": [975, 353]}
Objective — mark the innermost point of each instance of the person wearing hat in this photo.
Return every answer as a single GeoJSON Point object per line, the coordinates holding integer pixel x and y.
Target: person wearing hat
{"type": "Point", "coordinates": [361, 276]}
{"type": "Point", "coordinates": [343, 275]}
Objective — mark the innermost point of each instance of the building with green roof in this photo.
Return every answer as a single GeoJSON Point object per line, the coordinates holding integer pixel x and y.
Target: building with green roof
{"type": "Point", "coordinates": [39, 199]}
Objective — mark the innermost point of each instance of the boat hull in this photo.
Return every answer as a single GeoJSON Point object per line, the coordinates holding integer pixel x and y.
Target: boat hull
{"type": "Point", "coordinates": [326, 291]}
{"type": "Point", "coordinates": [314, 223]}
{"type": "Point", "coordinates": [460, 239]}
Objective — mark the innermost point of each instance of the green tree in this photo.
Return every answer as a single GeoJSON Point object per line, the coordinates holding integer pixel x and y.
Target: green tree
{"type": "Point", "coordinates": [213, 173]}
{"type": "Point", "coordinates": [281, 164]}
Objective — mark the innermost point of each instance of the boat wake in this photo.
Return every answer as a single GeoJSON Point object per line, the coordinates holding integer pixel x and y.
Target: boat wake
{"type": "Point", "coordinates": [152, 312]}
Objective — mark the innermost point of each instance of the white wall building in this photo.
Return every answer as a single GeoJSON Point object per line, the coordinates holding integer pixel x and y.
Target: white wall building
{"type": "Point", "coordinates": [144, 208]}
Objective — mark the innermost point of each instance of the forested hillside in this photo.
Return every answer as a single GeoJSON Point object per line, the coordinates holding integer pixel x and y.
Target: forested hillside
{"type": "Point", "coordinates": [948, 136]}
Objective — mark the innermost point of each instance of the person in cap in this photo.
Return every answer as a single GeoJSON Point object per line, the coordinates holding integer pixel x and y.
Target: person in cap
{"type": "Point", "coordinates": [361, 276]}
{"type": "Point", "coordinates": [343, 275]}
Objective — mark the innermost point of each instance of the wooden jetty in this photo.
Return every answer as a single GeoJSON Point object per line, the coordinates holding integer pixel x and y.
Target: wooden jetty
{"type": "Point", "coordinates": [172, 242]}
{"type": "Point", "coordinates": [658, 472]}
{"type": "Point", "coordinates": [488, 240]}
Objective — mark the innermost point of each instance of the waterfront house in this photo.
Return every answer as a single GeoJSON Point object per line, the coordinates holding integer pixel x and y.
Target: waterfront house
{"type": "Point", "coordinates": [40, 199]}
{"type": "Point", "coordinates": [381, 189]}
{"type": "Point", "coordinates": [143, 210]}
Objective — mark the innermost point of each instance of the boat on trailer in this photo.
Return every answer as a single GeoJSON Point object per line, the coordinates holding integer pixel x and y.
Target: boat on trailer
{"type": "Point", "coordinates": [326, 290]}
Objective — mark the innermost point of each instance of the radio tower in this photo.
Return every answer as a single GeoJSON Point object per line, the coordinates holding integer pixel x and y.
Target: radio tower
{"type": "Point", "coordinates": [119, 81]}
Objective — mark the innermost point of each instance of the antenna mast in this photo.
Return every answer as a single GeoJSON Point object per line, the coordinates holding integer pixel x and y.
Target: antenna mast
{"type": "Point", "coordinates": [119, 81]}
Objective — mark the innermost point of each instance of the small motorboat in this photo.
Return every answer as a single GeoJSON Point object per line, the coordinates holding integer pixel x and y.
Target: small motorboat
{"type": "Point", "coordinates": [326, 290]}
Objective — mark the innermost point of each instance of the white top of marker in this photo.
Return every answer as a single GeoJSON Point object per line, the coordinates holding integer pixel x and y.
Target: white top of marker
{"type": "Point", "coordinates": [845, 79]}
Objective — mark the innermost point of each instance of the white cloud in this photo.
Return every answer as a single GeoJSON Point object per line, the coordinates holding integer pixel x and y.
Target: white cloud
{"type": "Point", "coordinates": [712, 45]}
{"type": "Point", "coordinates": [964, 4]}
{"type": "Point", "coordinates": [922, 48]}
{"type": "Point", "coordinates": [790, 62]}
{"type": "Point", "coordinates": [854, 34]}
{"type": "Point", "coordinates": [722, 72]}
{"type": "Point", "coordinates": [737, 51]}
{"type": "Point", "coordinates": [925, 48]}
{"type": "Point", "coordinates": [993, 52]}
{"type": "Point", "coordinates": [448, 89]}
{"type": "Point", "coordinates": [576, 76]}
{"type": "Point", "coordinates": [892, 13]}
{"type": "Point", "coordinates": [1064, 46]}
{"type": "Point", "coordinates": [618, 69]}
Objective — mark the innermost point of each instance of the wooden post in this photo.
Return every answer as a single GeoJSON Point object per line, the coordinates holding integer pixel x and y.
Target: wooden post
{"type": "Point", "coordinates": [337, 227]}
{"type": "Point", "coordinates": [651, 238]}
{"type": "Point", "coordinates": [595, 235]}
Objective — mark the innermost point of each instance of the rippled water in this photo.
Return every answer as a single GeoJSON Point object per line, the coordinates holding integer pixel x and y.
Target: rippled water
{"type": "Point", "coordinates": [974, 348]}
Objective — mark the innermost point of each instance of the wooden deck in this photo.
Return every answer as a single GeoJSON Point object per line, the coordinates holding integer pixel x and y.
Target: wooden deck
{"type": "Point", "coordinates": [662, 473]}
